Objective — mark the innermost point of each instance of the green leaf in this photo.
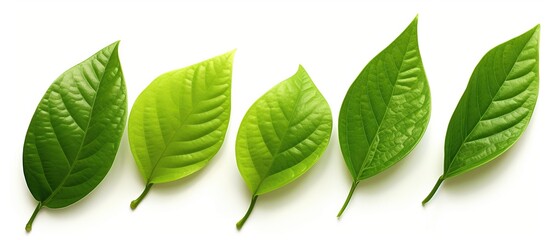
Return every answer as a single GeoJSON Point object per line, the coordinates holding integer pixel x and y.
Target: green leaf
{"type": "Point", "coordinates": [178, 123]}
{"type": "Point", "coordinates": [495, 108]}
{"type": "Point", "coordinates": [282, 135]}
{"type": "Point", "coordinates": [386, 110]}
{"type": "Point", "coordinates": [75, 132]}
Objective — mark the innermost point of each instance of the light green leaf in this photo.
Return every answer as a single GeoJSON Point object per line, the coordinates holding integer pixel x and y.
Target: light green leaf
{"type": "Point", "coordinates": [178, 123]}
{"type": "Point", "coordinates": [386, 110]}
{"type": "Point", "coordinates": [495, 108]}
{"type": "Point", "coordinates": [282, 135]}
{"type": "Point", "coordinates": [75, 132]}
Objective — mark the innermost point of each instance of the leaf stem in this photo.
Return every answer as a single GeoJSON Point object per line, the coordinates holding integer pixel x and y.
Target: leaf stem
{"type": "Point", "coordinates": [353, 187]}
{"type": "Point", "coordinates": [435, 188]}
{"type": "Point", "coordinates": [136, 202]}
{"type": "Point", "coordinates": [28, 227]}
{"type": "Point", "coordinates": [240, 223]}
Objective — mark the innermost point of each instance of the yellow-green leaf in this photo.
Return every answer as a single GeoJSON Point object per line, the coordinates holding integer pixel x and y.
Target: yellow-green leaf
{"type": "Point", "coordinates": [178, 123]}
{"type": "Point", "coordinates": [282, 135]}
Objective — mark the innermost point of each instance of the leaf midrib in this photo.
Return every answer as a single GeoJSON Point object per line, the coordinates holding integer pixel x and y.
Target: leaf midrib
{"type": "Point", "coordinates": [491, 102]}
{"type": "Point", "coordinates": [181, 124]}
{"type": "Point", "coordinates": [168, 143]}
{"type": "Point", "coordinates": [277, 152]}
{"type": "Point", "coordinates": [366, 164]}
{"type": "Point", "coordinates": [54, 193]}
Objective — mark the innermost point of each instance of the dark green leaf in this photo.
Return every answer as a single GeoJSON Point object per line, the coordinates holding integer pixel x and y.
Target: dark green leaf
{"type": "Point", "coordinates": [75, 132]}
{"type": "Point", "coordinates": [495, 108]}
{"type": "Point", "coordinates": [386, 110]}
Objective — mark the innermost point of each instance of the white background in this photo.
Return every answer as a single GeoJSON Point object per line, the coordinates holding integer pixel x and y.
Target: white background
{"type": "Point", "coordinates": [333, 41]}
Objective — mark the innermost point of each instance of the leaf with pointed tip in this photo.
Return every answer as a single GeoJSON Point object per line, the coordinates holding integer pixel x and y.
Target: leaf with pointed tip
{"type": "Point", "coordinates": [495, 108]}
{"type": "Point", "coordinates": [282, 135]}
{"type": "Point", "coordinates": [178, 123]}
{"type": "Point", "coordinates": [75, 132]}
{"type": "Point", "coordinates": [386, 110]}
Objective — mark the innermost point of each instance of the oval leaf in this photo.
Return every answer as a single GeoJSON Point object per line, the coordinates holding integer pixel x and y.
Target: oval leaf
{"type": "Point", "coordinates": [282, 135]}
{"type": "Point", "coordinates": [386, 110]}
{"type": "Point", "coordinates": [178, 123]}
{"type": "Point", "coordinates": [495, 108]}
{"type": "Point", "coordinates": [75, 132]}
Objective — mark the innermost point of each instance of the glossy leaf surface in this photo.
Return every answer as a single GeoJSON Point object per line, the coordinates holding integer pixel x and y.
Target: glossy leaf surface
{"type": "Point", "coordinates": [496, 106]}
{"type": "Point", "coordinates": [75, 132]}
{"type": "Point", "coordinates": [282, 135]}
{"type": "Point", "coordinates": [386, 109]}
{"type": "Point", "coordinates": [178, 123]}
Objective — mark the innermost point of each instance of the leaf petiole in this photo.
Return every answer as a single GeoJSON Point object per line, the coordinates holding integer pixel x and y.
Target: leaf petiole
{"type": "Point", "coordinates": [435, 188]}
{"type": "Point", "coordinates": [136, 202]}
{"type": "Point", "coordinates": [353, 187]}
{"type": "Point", "coordinates": [240, 223]}
{"type": "Point", "coordinates": [28, 227]}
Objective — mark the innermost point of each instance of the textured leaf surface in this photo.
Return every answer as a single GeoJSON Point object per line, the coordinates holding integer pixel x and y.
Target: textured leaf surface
{"type": "Point", "coordinates": [178, 122]}
{"type": "Point", "coordinates": [495, 108]}
{"type": "Point", "coordinates": [282, 135]}
{"type": "Point", "coordinates": [75, 132]}
{"type": "Point", "coordinates": [387, 108]}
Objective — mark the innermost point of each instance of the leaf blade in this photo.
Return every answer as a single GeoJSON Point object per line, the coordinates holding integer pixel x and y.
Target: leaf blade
{"type": "Point", "coordinates": [496, 106]}
{"type": "Point", "coordinates": [75, 132]}
{"type": "Point", "coordinates": [67, 132]}
{"type": "Point", "coordinates": [282, 135]}
{"type": "Point", "coordinates": [178, 123]}
{"type": "Point", "coordinates": [502, 92]}
{"type": "Point", "coordinates": [387, 108]}
{"type": "Point", "coordinates": [290, 104]}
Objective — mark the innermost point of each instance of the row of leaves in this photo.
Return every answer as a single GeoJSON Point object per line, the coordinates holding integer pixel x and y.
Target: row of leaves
{"type": "Point", "coordinates": [178, 123]}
